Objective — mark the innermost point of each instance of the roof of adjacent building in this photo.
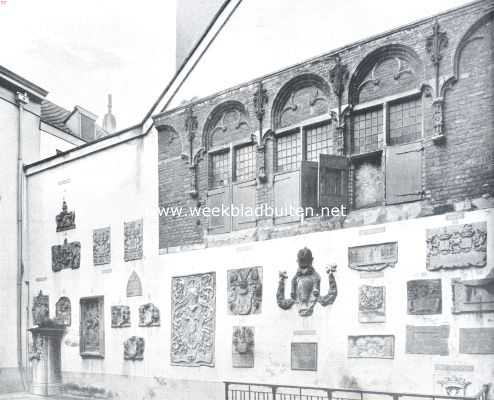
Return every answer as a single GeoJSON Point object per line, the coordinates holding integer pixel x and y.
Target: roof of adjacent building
{"type": "Point", "coordinates": [54, 115]}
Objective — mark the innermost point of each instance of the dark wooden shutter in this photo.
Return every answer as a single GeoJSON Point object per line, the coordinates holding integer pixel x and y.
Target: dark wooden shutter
{"type": "Point", "coordinates": [244, 195]}
{"type": "Point", "coordinates": [216, 198]}
{"type": "Point", "coordinates": [286, 193]}
{"type": "Point", "coordinates": [308, 186]}
{"type": "Point", "coordinates": [333, 181]}
{"type": "Point", "coordinates": [404, 173]}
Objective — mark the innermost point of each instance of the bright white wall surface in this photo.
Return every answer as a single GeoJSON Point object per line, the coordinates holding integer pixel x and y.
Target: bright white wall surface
{"type": "Point", "coordinates": [49, 144]}
{"type": "Point", "coordinates": [120, 184]}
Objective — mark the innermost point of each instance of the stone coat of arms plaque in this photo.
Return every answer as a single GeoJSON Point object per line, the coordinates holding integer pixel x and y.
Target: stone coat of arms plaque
{"type": "Point", "coordinates": [243, 347]}
{"type": "Point", "coordinates": [244, 290]}
{"type": "Point", "coordinates": [424, 297]}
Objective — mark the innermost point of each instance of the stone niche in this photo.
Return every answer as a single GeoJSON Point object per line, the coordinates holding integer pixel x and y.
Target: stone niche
{"type": "Point", "coordinates": [372, 300]}
{"type": "Point", "coordinates": [243, 347]}
{"type": "Point", "coordinates": [133, 240]}
{"type": "Point", "coordinates": [149, 315]}
{"type": "Point", "coordinates": [424, 297]}
{"type": "Point", "coordinates": [458, 246]}
{"type": "Point", "coordinates": [66, 256]}
{"type": "Point", "coordinates": [428, 340]}
{"type": "Point", "coordinates": [373, 257]}
{"type": "Point", "coordinates": [474, 296]}
{"type": "Point", "coordinates": [193, 320]}
{"type": "Point", "coordinates": [134, 349]}
{"type": "Point", "coordinates": [244, 291]}
{"type": "Point", "coordinates": [371, 346]}
{"type": "Point", "coordinates": [63, 311]}
{"type": "Point", "coordinates": [120, 316]}
{"type": "Point", "coordinates": [102, 246]}
{"type": "Point", "coordinates": [304, 356]}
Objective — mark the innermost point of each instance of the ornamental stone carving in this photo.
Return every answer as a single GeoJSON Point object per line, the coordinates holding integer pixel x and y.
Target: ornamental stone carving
{"type": "Point", "coordinates": [134, 349]}
{"type": "Point", "coordinates": [92, 328]}
{"type": "Point", "coordinates": [458, 246]}
{"type": "Point", "coordinates": [371, 304]}
{"type": "Point", "coordinates": [63, 311]}
{"type": "Point", "coordinates": [120, 316]}
{"type": "Point", "coordinates": [243, 347]}
{"type": "Point", "coordinates": [373, 257]}
{"type": "Point", "coordinates": [454, 385]}
{"type": "Point", "coordinates": [245, 291]}
{"type": "Point", "coordinates": [133, 238]}
{"type": "Point", "coordinates": [305, 287]}
{"type": "Point", "coordinates": [41, 309]}
{"type": "Point", "coordinates": [424, 297]}
{"type": "Point", "coordinates": [101, 246]}
{"type": "Point", "coordinates": [371, 346]}
{"type": "Point", "coordinates": [66, 219]}
{"type": "Point", "coordinates": [149, 315]}
{"type": "Point", "coordinates": [193, 320]}
{"type": "Point", "coordinates": [65, 256]}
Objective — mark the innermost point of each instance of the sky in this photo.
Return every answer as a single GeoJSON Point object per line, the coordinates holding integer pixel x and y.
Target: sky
{"type": "Point", "coordinates": [82, 50]}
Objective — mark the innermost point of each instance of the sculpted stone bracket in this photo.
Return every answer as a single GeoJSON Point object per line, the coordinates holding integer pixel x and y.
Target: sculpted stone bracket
{"type": "Point", "coordinates": [66, 256]}
{"type": "Point", "coordinates": [134, 348]}
{"type": "Point", "coordinates": [245, 291]}
{"type": "Point", "coordinates": [120, 316]}
{"type": "Point", "coordinates": [149, 315]}
{"type": "Point", "coordinates": [305, 288]}
{"type": "Point", "coordinates": [66, 219]}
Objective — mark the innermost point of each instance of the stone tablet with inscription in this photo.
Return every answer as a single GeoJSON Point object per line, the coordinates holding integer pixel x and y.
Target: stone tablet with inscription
{"type": "Point", "coordinates": [477, 340]}
{"type": "Point", "coordinates": [474, 296]}
{"type": "Point", "coordinates": [371, 346]}
{"type": "Point", "coordinates": [133, 238]}
{"type": "Point", "coordinates": [373, 257]}
{"type": "Point", "coordinates": [458, 246]}
{"type": "Point", "coordinates": [428, 340]}
{"type": "Point", "coordinates": [424, 297]}
{"type": "Point", "coordinates": [304, 356]}
{"type": "Point", "coordinates": [371, 304]}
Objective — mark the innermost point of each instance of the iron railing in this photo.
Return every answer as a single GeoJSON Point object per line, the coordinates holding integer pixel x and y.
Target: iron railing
{"type": "Point", "coordinates": [260, 391]}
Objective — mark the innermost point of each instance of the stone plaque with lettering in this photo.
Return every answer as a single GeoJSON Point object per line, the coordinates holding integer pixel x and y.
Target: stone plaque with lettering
{"type": "Point", "coordinates": [243, 347]}
{"type": "Point", "coordinates": [66, 256]}
{"type": "Point", "coordinates": [371, 346]}
{"type": "Point", "coordinates": [304, 356]}
{"type": "Point", "coordinates": [134, 286]}
{"type": "Point", "coordinates": [371, 306]}
{"type": "Point", "coordinates": [101, 246]}
{"type": "Point", "coordinates": [458, 246]}
{"type": "Point", "coordinates": [133, 239]}
{"type": "Point", "coordinates": [63, 311]}
{"type": "Point", "coordinates": [474, 296]}
{"type": "Point", "coordinates": [428, 340]}
{"type": "Point", "coordinates": [477, 340]}
{"type": "Point", "coordinates": [373, 257]}
{"type": "Point", "coordinates": [424, 297]}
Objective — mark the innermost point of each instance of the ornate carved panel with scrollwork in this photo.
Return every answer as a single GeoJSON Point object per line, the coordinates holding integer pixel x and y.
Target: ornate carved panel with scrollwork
{"type": "Point", "coordinates": [371, 304]}
{"type": "Point", "coordinates": [101, 246]}
{"type": "Point", "coordinates": [245, 291]}
{"type": "Point", "coordinates": [133, 240]}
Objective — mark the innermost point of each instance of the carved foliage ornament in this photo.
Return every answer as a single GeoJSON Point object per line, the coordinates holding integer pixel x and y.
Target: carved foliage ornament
{"type": "Point", "coordinates": [371, 346]}
{"type": "Point", "coordinates": [41, 309]}
{"type": "Point", "coordinates": [66, 219]}
{"type": "Point", "coordinates": [120, 316]}
{"type": "Point", "coordinates": [305, 288]}
{"type": "Point", "coordinates": [63, 311]}
{"type": "Point", "coordinates": [371, 303]}
{"type": "Point", "coordinates": [67, 255]}
{"type": "Point", "coordinates": [245, 291]}
{"type": "Point", "coordinates": [134, 348]}
{"type": "Point", "coordinates": [435, 43]}
{"type": "Point", "coordinates": [424, 297]}
{"type": "Point", "coordinates": [133, 238]}
{"type": "Point", "coordinates": [101, 246]}
{"type": "Point", "coordinates": [149, 315]}
{"type": "Point", "coordinates": [243, 347]}
{"type": "Point", "coordinates": [193, 320]}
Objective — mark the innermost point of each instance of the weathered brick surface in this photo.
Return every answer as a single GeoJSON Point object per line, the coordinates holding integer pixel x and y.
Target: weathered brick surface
{"type": "Point", "coordinates": [461, 166]}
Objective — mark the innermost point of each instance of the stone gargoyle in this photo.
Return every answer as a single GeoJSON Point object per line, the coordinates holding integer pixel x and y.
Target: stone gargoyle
{"type": "Point", "coordinates": [306, 285]}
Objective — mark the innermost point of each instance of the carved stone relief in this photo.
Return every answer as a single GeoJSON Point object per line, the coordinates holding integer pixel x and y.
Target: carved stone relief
{"type": "Point", "coordinates": [120, 316]}
{"type": "Point", "coordinates": [477, 340]}
{"type": "Point", "coordinates": [134, 285]}
{"type": "Point", "coordinates": [306, 285]}
{"type": "Point", "coordinates": [371, 346]}
{"type": "Point", "coordinates": [134, 348]}
{"type": "Point", "coordinates": [454, 385]}
{"type": "Point", "coordinates": [41, 308]}
{"type": "Point", "coordinates": [474, 296]}
{"type": "Point", "coordinates": [101, 246]}
{"type": "Point", "coordinates": [193, 320]}
{"type": "Point", "coordinates": [373, 257]}
{"type": "Point", "coordinates": [303, 102]}
{"type": "Point", "coordinates": [243, 347]}
{"type": "Point", "coordinates": [149, 315]}
{"type": "Point", "coordinates": [428, 340]}
{"type": "Point", "coordinates": [245, 291]}
{"type": "Point", "coordinates": [66, 256]}
{"type": "Point", "coordinates": [228, 124]}
{"type": "Point", "coordinates": [66, 219]}
{"type": "Point", "coordinates": [372, 304]}
{"type": "Point", "coordinates": [133, 238]}
{"type": "Point", "coordinates": [304, 356]}
{"type": "Point", "coordinates": [92, 328]}
{"type": "Point", "coordinates": [424, 297]}
{"type": "Point", "coordinates": [63, 310]}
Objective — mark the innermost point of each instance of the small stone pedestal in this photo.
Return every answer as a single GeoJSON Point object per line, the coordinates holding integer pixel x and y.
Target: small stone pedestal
{"type": "Point", "coordinates": [46, 360]}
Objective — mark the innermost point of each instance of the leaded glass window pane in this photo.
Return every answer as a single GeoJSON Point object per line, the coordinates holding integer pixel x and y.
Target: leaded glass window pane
{"type": "Point", "coordinates": [367, 131]}
{"type": "Point", "coordinates": [245, 162]}
{"type": "Point", "coordinates": [220, 169]}
{"type": "Point", "coordinates": [319, 141]}
{"type": "Point", "coordinates": [405, 121]}
{"type": "Point", "coordinates": [288, 152]}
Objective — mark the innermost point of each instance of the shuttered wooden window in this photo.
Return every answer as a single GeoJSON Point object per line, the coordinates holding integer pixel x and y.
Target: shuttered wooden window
{"type": "Point", "coordinates": [333, 181]}
{"type": "Point", "coordinates": [367, 131]}
{"type": "Point", "coordinates": [288, 152]}
{"type": "Point", "coordinates": [405, 121]}
{"type": "Point", "coordinates": [319, 140]}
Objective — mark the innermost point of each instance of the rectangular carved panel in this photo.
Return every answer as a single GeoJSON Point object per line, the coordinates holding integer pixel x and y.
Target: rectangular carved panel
{"type": "Point", "coordinates": [474, 295]}
{"type": "Point", "coordinates": [92, 328]}
{"type": "Point", "coordinates": [133, 238]}
{"type": "Point", "coordinates": [244, 290]}
{"type": "Point", "coordinates": [424, 297]}
{"type": "Point", "coordinates": [428, 340]}
{"type": "Point", "coordinates": [477, 340]}
{"type": "Point", "coordinates": [120, 316]}
{"type": "Point", "coordinates": [243, 347]}
{"type": "Point", "coordinates": [101, 246]}
{"type": "Point", "coordinates": [373, 257]}
{"type": "Point", "coordinates": [67, 255]}
{"type": "Point", "coordinates": [304, 356]}
{"type": "Point", "coordinates": [372, 304]}
{"type": "Point", "coordinates": [193, 320]}
{"type": "Point", "coordinates": [458, 246]}
{"type": "Point", "coordinates": [371, 346]}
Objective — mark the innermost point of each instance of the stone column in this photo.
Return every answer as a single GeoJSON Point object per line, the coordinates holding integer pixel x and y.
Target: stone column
{"type": "Point", "coordinates": [46, 360]}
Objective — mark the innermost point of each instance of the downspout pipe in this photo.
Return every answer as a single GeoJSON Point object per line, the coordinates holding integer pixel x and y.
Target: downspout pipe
{"type": "Point", "coordinates": [22, 100]}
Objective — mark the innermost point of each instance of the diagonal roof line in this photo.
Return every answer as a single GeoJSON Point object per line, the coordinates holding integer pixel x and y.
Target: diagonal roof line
{"type": "Point", "coordinates": [219, 20]}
